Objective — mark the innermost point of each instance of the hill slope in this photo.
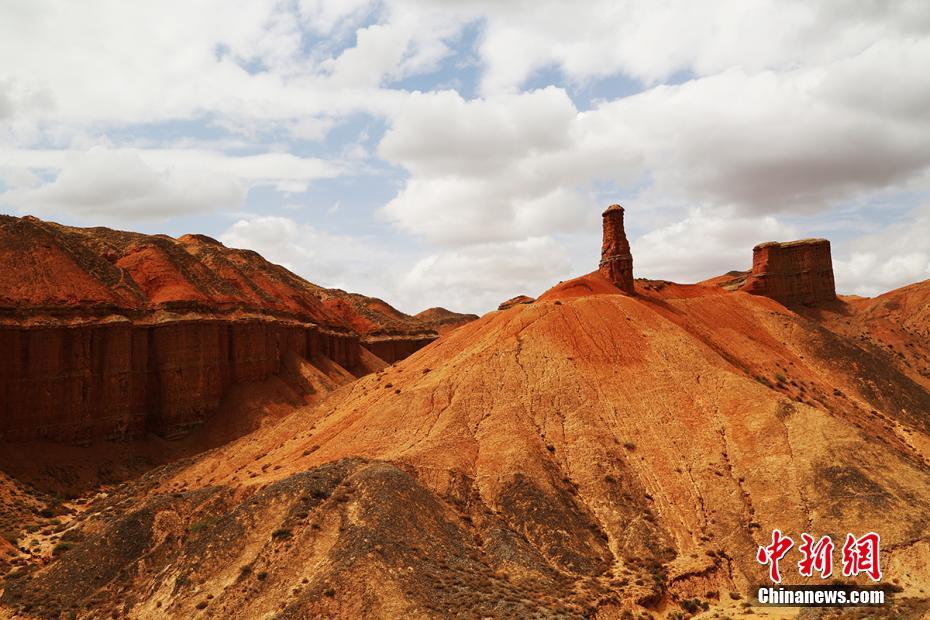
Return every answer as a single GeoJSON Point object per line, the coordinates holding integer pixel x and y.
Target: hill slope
{"type": "Point", "coordinates": [589, 453]}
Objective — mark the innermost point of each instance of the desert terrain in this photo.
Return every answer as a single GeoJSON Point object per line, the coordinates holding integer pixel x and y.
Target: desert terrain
{"type": "Point", "coordinates": [190, 431]}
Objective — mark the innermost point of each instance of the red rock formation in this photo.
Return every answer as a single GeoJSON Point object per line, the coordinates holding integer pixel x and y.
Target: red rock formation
{"type": "Point", "coordinates": [514, 301]}
{"type": "Point", "coordinates": [392, 349]}
{"type": "Point", "coordinates": [107, 333]}
{"type": "Point", "coordinates": [119, 380]}
{"type": "Point", "coordinates": [442, 320]}
{"type": "Point", "coordinates": [794, 272]}
{"type": "Point", "coordinates": [616, 261]}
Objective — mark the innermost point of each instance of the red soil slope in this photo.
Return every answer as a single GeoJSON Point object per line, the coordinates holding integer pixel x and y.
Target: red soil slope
{"type": "Point", "coordinates": [591, 453]}
{"type": "Point", "coordinates": [112, 334]}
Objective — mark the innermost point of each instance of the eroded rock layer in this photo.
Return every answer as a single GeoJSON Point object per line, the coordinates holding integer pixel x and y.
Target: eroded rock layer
{"type": "Point", "coordinates": [392, 349]}
{"type": "Point", "coordinates": [616, 261]}
{"type": "Point", "coordinates": [794, 272]}
{"type": "Point", "coordinates": [119, 380]}
{"type": "Point", "coordinates": [107, 333]}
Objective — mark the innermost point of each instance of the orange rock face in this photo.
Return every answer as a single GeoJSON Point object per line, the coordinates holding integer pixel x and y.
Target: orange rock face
{"type": "Point", "coordinates": [113, 334]}
{"type": "Point", "coordinates": [616, 261]}
{"type": "Point", "coordinates": [793, 273]}
{"type": "Point", "coordinates": [515, 301]}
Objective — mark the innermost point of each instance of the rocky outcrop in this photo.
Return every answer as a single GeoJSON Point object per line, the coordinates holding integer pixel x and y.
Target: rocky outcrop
{"type": "Point", "coordinates": [793, 273]}
{"type": "Point", "coordinates": [616, 261]}
{"type": "Point", "coordinates": [119, 380]}
{"type": "Point", "coordinates": [393, 348]}
{"type": "Point", "coordinates": [515, 301]}
{"type": "Point", "coordinates": [107, 333]}
{"type": "Point", "coordinates": [443, 321]}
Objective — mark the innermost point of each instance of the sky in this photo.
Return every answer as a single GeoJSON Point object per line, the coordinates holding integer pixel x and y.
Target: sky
{"type": "Point", "coordinates": [459, 152]}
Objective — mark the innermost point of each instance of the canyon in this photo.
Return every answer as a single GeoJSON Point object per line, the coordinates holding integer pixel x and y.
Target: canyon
{"type": "Point", "coordinates": [613, 448]}
{"type": "Point", "coordinates": [111, 335]}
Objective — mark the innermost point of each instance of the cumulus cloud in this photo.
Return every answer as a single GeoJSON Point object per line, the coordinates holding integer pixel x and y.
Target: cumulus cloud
{"type": "Point", "coordinates": [706, 243]}
{"type": "Point", "coordinates": [795, 141]}
{"type": "Point", "coordinates": [478, 278]}
{"type": "Point", "coordinates": [893, 256]}
{"type": "Point", "coordinates": [653, 42]}
{"type": "Point", "coordinates": [120, 185]}
{"type": "Point", "coordinates": [502, 168]}
{"type": "Point", "coordinates": [132, 184]}
{"type": "Point", "coordinates": [329, 260]}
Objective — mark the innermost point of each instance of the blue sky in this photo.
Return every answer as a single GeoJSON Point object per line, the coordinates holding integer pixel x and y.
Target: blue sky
{"type": "Point", "coordinates": [458, 153]}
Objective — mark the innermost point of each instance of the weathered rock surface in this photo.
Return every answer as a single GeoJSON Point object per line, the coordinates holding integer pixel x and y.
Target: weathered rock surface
{"type": "Point", "coordinates": [616, 261]}
{"type": "Point", "coordinates": [793, 273]}
{"type": "Point", "coordinates": [120, 380]}
{"type": "Point", "coordinates": [444, 321]}
{"type": "Point", "coordinates": [112, 334]}
{"type": "Point", "coordinates": [515, 301]}
{"type": "Point", "coordinates": [590, 454]}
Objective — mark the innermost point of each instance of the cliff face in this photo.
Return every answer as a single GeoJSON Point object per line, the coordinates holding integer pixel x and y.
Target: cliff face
{"type": "Point", "coordinates": [793, 273]}
{"type": "Point", "coordinates": [112, 334]}
{"type": "Point", "coordinates": [393, 349]}
{"type": "Point", "coordinates": [117, 381]}
{"type": "Point", "coordinates": [616, 261]}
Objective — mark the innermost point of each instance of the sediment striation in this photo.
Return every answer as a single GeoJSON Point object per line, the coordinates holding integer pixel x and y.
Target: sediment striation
{"type": "Point", "coordinates": [616, 261]}
{"type": "Point", "coordinates": [112, 334]}
{"type": "Point", "coordinates": [793, 272]}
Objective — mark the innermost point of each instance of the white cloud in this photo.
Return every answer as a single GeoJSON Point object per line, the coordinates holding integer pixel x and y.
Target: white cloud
{"type": "Point", "coordinates": [135, 184]}
{"type": "Point", "coordinates": [119, 185]}
{"type": "Point", "coordinates": [796, 141]}
{"type": "Point", "coordinates": [893, 256]}
{"type": "Point", "coordinates": [478, 278]}
{"type": "Point", "coordinates": [706, 243]}
{"type": "Point", "coordinates": [494, 169]}
{"type": "Point", "coordinates": [654, 41]}
{"type": "Point", "coordinates": [326, 259]}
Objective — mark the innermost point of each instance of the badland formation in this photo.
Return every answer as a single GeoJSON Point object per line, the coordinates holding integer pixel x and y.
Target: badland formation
{"type": "Point", "coordinates": [187, 430]}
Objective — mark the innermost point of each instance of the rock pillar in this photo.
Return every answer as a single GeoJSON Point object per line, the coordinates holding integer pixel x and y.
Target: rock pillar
{"type": "Point", "coordinates": [616, 261]}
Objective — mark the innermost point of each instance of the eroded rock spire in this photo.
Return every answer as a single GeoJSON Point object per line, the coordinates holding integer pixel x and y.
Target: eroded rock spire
{"type": "Point", "coordinates": [616, 261]}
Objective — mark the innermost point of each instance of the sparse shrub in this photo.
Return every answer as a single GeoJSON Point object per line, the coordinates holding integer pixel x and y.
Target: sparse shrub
{"type": "Point", "coordinates": [61, 548]}
{"type": "Point", "coordinates": [262, 576]}
{"type": "Point", "coordinates": [629, 445]}
{"type": "Point", "coordinates": [202, 605]}
{"type": "Point", "coordinates": [735, 596]}
{"type": "Point", "coordinates": [780, 378]}
{"type": "Point", "coordinates": [281, 533]}
{"type": "Point", "coordinates": [329, 592]}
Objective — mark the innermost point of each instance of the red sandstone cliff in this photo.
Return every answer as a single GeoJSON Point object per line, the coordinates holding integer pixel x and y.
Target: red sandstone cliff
{"type": "Point", "coordinates": [616, 261]}
{"type": "Point", "coordinates": [107, 333]}
{"type": "Point", "coordinates": [793, 273]}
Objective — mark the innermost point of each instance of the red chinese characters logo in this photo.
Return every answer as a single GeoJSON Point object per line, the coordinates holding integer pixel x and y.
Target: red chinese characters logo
{"type": "Point", "coordinates": [817, 556]}
{"type": "Point", "coordinates": [860, 555]}
{"type": "Point", "coordinates": [773, 553]}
